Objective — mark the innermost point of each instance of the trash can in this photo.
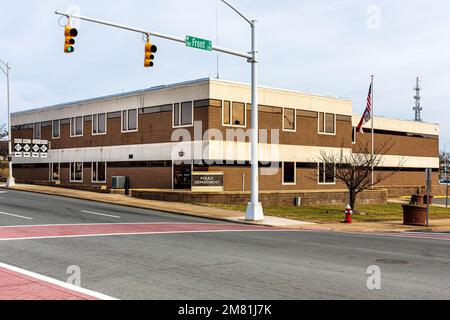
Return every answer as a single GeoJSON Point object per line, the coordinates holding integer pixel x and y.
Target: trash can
{"type": "Point", "coordinates": [127, 186]}
{"type": "Point", "coordinates": [414, 215]}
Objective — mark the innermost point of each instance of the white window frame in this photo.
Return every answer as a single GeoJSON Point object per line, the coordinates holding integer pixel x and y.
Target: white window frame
{"type": "Point", "coordinates": [106, 124]}
{"type": "Point", "coordinates": [295, 120]}
{"type": "Point", "coordinates": [70, 172]}
{"type": "Point", "coordinates": [121, 121]}
{"type": "Point", "coordinates": [74, 119]}
{"type": "Point", "coordinates": [92, 171]}
{"type": "Point", "coordinates": [354, 135]}
{"type": "Point", "coordinates": [295, 174]}
{"type": "Point", "coordinates": [324, 122]}
{"type": "Point", "coordinates": [34, 131]}
{"type": "Point", "coordinates": [324, 172]}
{"type": "Point", "coordinates": [51, 171]}
{"type": "Point", "coordinates": [231, 113]}
{"type": "Point", "coordinates": [59, 129]}
{"type": "Point", "coordinates": [180, 117]}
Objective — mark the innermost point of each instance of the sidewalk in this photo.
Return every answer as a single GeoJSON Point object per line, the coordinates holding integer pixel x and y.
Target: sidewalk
{"type": "Point", "coordinates": [232, 216]}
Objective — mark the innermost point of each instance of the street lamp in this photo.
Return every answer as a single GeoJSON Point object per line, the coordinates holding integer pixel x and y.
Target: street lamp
{"type": "Point", "coordinates": [254, 209]}
{"type": "Point", "coordinates": [5, 68]}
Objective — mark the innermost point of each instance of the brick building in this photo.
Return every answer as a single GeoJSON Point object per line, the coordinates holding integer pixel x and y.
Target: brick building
{"type": "Point", "coordinates": [138, 134]}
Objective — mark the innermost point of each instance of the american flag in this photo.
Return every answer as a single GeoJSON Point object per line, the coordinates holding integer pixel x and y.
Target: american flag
{"type": "Point", "coordinates": [368, 113]}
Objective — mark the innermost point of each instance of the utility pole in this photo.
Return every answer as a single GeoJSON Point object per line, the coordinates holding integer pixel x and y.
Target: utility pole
{"type": "Point", "coordinates": [254, 210]}
{"type": "Point", "coordinates": [10, 182]}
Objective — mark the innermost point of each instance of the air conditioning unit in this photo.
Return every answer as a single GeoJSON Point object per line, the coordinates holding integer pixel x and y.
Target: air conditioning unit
{"type": "Point", "coordinates": [118, 182]}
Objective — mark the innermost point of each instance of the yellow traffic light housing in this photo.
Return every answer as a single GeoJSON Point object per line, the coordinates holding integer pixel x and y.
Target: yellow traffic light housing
{"type": "Point", "coordinates": [150, 49]}
{"type": "Point", "coordinates": [70, 34]}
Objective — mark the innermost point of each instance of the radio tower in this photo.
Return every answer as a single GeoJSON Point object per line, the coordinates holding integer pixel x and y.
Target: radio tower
{"type": "Point", "coordinates": [417, 109]}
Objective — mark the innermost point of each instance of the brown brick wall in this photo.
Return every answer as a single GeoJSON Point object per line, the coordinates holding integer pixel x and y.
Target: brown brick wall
{"type": "Point", "coordinates": [331, 197]}
{"type": "Point", "coordinates": [157, 128]}
{"type": "Point", "coordinates": [153, 128]}
{"type": "Point", "coordinates": [402, 145]}
{"type": "Point", "coordinates": [307, 128]}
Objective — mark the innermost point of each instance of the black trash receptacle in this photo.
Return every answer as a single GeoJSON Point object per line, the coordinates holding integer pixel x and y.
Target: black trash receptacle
{"type": "Point", "coordinates": [127, 186]}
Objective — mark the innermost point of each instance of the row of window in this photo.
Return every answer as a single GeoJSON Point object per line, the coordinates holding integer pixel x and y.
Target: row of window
{"type": "Point", "coordinates": [98, 172]}
{"type": "Point", "coordinates": [233, 114]}
{"type": "Point", "coordinates": [326, 173]}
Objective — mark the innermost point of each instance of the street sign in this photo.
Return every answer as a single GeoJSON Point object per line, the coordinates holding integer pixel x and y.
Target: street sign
{"type": "Point", "coordinates": [28, 148]}
{"type": "Point", "coordinates": [198, 43]}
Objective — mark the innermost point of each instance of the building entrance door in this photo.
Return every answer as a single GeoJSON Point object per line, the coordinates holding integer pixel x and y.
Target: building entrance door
{"type": "Point", "coordinates": [182, 176]}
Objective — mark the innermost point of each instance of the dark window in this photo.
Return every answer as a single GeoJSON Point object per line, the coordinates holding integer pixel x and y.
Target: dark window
{"type": "Point", "coordinates": [176, 114]}
{"type": "Point", "coordinates": [76, 172]}
{"type": "Point", "coordinates": [99, 123]}
{"type": "Point", "coordinates": [182, 114]}
{"type": "Point", "coordinates": [186, 114]}
{"type": "Point", "coordinates": [353, 135]}
{"type": "Point", "coordinates": [37, 131]}
{"type": "Point", "coordinates": [55, 172]}
{"type": "Point", "coordinates": [129, 120]}
{"type": "Point", "coordinates": [327, 123]}
{"type": "Point", "coordinates": [76, 126]}
{"type": "Point", "coordinates": [289, 172]}
{"type": "Point", "coordinates": [56, 127]}
{"type": "Point", "coordinates": [132, 119]}
{"type": "Point", "coordinates": [99, 172]}
{"type": "Point", "coordinates": [327, 173]}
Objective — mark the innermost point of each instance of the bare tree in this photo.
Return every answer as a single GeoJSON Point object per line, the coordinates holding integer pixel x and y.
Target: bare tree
{"type": "Point", "coordinates": [354, 169]}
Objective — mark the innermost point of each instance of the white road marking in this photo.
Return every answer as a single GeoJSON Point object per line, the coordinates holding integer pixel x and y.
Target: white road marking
{"type": "Point", "coordinates": [15, 215]}
{"type": "Point", "coordinates": [101, 214]}
{"type": "Point", "coordinates": [58, 283]}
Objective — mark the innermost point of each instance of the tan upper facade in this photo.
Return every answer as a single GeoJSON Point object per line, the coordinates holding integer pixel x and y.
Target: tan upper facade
{"type": "Point", "coordinates": [303, 124]}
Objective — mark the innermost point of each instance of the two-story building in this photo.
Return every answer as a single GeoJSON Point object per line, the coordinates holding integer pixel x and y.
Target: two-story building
{"type": "Point", "coordinates": [204, 123]}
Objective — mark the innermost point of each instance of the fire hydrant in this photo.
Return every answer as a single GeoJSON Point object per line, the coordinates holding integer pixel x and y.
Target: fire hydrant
{"type": "Point", "coordinates": [348, 214]}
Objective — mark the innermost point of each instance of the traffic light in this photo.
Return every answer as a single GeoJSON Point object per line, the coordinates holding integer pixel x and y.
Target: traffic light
{"type": "Point", "coordinates": [150, 49]}
{"type": "Point", "coordinates": [70, 33]}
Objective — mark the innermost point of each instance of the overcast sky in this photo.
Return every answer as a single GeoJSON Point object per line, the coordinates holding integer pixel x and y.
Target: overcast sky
{"type": "Point", "coordinates": [323, 47]}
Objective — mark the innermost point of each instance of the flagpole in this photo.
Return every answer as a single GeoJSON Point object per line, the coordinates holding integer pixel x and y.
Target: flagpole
{"type": "Point", "coordinates": [373, 134]}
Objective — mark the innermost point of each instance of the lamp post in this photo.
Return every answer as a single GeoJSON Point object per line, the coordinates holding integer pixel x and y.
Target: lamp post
{"type": "Point", "coordinates": [254, 209]}
{"type": "Point", "coordinates": [5, 68]}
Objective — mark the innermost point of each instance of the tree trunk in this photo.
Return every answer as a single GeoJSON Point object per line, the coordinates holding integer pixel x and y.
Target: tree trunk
{"type": "Point", "coordinates": [352, 201]}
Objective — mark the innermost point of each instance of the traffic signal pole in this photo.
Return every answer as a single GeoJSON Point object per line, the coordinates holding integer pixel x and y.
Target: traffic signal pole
{"type": "Point", "coordinates": [254, 210]}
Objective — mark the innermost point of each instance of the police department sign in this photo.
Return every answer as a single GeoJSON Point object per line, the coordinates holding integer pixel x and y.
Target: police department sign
{"type": "Point", "coordinates": [207, 182]}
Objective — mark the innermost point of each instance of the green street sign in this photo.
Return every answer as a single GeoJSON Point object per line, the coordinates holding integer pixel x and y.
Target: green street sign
{"type": "Point", "coordinates": [197, 43]}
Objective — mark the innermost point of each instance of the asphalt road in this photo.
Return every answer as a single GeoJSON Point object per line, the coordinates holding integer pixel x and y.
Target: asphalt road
{"type": "Point", "coordinates": [225, 265]}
